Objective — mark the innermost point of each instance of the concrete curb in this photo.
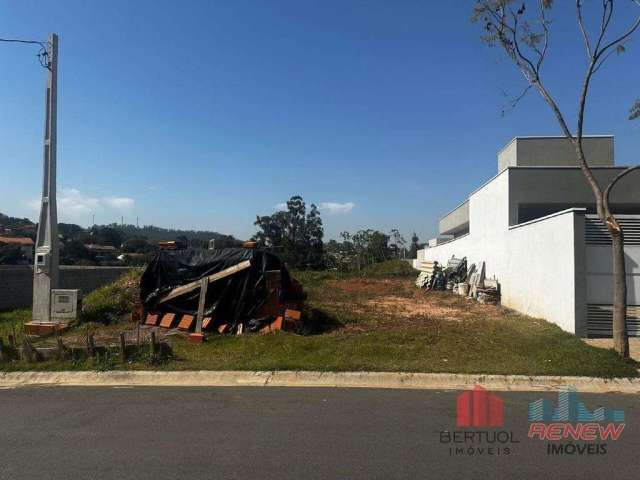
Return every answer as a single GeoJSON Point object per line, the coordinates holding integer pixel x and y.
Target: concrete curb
{"type": "Point", "coordinates": [418, 381]}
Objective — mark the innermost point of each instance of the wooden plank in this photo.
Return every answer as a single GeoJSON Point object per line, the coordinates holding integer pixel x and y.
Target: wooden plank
{"type": "Point", "coordinates": [204, 283]}
{"type": "Point", "coordinates": [123, 348]}
{"type": "Point", "coordinates": [190, 287]}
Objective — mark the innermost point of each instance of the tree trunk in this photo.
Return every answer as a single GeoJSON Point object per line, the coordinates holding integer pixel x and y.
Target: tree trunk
{"type": "Point", "coordinates": [620, 338]}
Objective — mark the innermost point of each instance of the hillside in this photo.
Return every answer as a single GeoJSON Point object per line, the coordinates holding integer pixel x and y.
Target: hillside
{"type": "Point", "coordinates": [24, 226]}
{"type": "Point", "coordinates": [154, 234]}
{"type": "Point", "coordinates": [17, 226]}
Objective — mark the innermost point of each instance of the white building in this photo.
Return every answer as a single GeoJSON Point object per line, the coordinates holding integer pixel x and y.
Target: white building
{"type": "Point", "coordinates": [534, 225]}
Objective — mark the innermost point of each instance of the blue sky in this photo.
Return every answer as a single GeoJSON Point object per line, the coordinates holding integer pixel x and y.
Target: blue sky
{"type": "Point", "coordinates": [202, 114]}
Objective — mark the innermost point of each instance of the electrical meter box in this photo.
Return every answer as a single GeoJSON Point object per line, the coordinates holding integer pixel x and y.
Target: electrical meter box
{"type": "Point", "coordinates": [43, 259]}
{"type": "Point", "coordinates": [65, 304]}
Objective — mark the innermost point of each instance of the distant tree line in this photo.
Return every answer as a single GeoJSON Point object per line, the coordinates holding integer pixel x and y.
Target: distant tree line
{"type": "Point", "coordinates": [137, 244]}
{"type": "Point", "coordinates": [296, 235]}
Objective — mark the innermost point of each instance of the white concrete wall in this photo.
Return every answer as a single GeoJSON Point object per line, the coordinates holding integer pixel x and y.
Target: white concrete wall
{"type": "Point", "coordinates": [539, 278]}
{"type": "Point", "coordinates": [544, 266]}
{"type": "Point", "coordinates": [536, 263]}
{"type": "Point", "coordinates": [488, 223]}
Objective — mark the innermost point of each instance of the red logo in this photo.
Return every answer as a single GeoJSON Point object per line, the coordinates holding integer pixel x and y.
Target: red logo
{"type": "Point", "coordinates": [479, 408]}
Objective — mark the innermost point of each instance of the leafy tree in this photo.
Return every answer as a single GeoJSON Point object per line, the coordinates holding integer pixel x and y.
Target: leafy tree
{"type": "Point", "coordinates": [10, 254]}
{"type": "Point", "coordinates": [73, 252]}
{"type": "Point", "coordinates": [523, 33]}
{"type": "Point", "coordinates": [71, 231]}
{"type": "Point", "coordinates": [108, 235]}
{"type": "Point", "coordinates": [137, 245]}
{"type": "Point", "coordinates": [370, 246]}
{"type": "Point", "coordinates": [398, 242]}
{"type": "Point", "coordinates": [313, 234]}
{"type": "Point", "coordinates": [226, 241]}
{"type": "Point", "coordinates": [295, 235]}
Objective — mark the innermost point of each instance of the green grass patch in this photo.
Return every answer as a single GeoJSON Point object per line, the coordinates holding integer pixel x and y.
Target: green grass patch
{"type": "Point", "coordinates": [390, 268]}
{"type": "Point", "coordinates": [12, 323]}
{"type": "Point", "coordinates": [506, 347]}
{"type": "Point", "coordinates": [108, 303]}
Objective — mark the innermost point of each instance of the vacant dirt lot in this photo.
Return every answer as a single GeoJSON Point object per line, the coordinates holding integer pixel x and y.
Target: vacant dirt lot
{"type": "Point", "coordinates": [397, 302]}
{"type": "Point", "coordinates": [375, 323]}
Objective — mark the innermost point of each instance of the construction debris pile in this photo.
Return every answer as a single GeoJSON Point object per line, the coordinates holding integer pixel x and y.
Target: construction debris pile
{"type": "Point", "coordinates": [231, 290]}
{"type": "Point", "coordinates": [468, 282]}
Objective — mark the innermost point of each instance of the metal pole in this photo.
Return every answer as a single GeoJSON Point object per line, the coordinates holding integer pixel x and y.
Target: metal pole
{"type": "Point", "coordinates": [46, 261]}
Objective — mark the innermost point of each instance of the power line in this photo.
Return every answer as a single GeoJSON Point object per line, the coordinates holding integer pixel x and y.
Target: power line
{"type": "Point", "coordinates": [43, 54]}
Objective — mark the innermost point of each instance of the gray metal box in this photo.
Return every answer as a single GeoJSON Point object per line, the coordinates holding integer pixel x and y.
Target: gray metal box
{"type": "Point", "coordinates": [64, 304]}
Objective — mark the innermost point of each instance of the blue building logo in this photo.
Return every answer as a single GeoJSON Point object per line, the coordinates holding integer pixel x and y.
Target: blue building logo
{"type": "Point", "coordinates": [571, 409]}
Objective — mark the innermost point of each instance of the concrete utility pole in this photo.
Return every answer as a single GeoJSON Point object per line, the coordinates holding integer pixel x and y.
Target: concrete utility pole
{"type": "Point", "coordinates": [45, 271]}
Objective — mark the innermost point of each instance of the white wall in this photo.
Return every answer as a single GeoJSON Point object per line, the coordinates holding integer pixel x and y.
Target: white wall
{"type": "Point", "coordinates": [535, 262]}
{"type": "Point", "coordinates": [488, 222]}
{"type": "Point", "coordinates": [539, 278]}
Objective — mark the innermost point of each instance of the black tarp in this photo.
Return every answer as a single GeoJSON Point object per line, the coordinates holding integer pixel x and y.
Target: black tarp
{"type": "Point", "coordinates": [234, 299]}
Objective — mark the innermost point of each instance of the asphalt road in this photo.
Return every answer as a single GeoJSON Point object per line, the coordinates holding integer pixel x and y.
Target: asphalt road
{"type": "Point", "coordinates": [281, 433]}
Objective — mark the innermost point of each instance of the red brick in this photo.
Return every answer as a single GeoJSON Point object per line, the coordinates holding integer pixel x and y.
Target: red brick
{"type": "Point", "coordinates": [43, 329]}
{"type": "Point", "coordinates": [196, 338]}
{"type": "Point", "coordinates": [275, 325]}
{"type": "Point", "coordinates": [167, 320]}
{"type": "Point", "coordinates": [186, 322]}
{"type": "Point", "coordinates": [293, 315]}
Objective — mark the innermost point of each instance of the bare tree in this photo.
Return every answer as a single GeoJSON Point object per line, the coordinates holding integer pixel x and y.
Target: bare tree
{"type": "Point", "coordinates": [524, 37]}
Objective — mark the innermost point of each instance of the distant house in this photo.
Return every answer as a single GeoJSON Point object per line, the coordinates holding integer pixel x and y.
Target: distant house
{"type": "Point", "coordinates": [102, 252]}
{"type": "Point", "coordinates": [25, 244]}
{"type": "Point", "coordinates": [172, 245]}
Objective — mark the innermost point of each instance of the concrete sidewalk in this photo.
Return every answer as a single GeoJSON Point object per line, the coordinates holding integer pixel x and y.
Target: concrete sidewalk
{"type": "Point", "coordinates": [387, 380]}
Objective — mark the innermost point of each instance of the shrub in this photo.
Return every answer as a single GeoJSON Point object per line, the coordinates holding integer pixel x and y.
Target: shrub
{"type": "Point", "coordinates": [108, 303]}
{"type": "Point", "coordinates": [390, 268]}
